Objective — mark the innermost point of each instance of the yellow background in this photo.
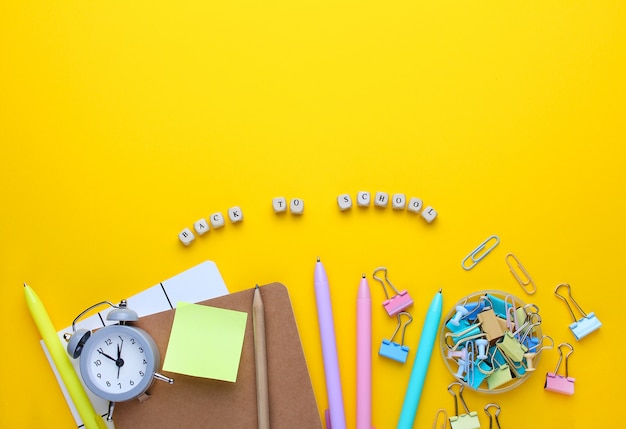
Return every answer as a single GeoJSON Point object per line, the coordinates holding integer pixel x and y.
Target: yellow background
{"type": "Point", "coordinates": [123, 122]}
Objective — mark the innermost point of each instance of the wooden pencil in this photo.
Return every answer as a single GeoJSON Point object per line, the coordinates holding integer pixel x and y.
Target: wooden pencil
{"type": "Point", "coordinates": [260, 360]}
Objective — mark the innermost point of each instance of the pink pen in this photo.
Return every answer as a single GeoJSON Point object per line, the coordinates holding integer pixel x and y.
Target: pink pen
{"type": "Point", "coordinates": [364, 356]}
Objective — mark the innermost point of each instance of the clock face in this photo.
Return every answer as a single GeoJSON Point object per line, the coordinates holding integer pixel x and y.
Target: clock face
{"type": "Point", "coordinates": [118, 362]}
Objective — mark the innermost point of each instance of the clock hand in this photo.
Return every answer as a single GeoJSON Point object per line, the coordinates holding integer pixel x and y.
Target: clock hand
{"type": "Point", "coordinates": [119, 362]}
{"type": "Point", "coordinates": [106, 355]}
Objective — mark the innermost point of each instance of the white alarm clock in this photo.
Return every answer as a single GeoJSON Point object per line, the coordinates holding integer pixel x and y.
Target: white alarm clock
{"type": "Point", "coordinates": [118, 362]}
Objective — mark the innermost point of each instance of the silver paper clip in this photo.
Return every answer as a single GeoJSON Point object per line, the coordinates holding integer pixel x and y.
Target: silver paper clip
{"type": "Point", "coordinates": [494, 416]}
{"type": "Point", "coordinates": [476, 255]}
{"type": "Point", "coordinates": [516, 267]}
{"type": "Point", "coordinates": [586, 324]}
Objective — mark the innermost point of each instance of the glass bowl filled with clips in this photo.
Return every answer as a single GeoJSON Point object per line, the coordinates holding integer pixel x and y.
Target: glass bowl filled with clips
{"type": "Point", "coordinates": [491, 341]}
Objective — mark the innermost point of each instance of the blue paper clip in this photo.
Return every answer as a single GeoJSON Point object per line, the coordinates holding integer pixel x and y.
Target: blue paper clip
{"type": "Point", "coordinates": [393, 350]}
{"type": "Point", "coordinates": [586, 324]}
{"type": "Point", "coordinates": [476, 255]}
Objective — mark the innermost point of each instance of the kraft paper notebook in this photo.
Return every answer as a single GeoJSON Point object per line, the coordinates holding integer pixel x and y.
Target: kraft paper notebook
{"type": "Point", "coordinates": [207, 403]}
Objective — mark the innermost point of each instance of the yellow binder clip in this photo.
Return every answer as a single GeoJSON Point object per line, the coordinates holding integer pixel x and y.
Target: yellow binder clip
{"type": "Point", "coordinates": [495, 415]}
{"type": "Point", "coordinates": [469, 420]}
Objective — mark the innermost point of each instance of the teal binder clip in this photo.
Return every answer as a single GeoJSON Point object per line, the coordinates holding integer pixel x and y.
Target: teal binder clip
{"type": "Point", "coordinates": [469, 420]}
{"type": "Point", "coordinates": [483, 370]}
{"type": "Point", "coordinates": [584, 326]}
{"type": "Point", "coordinates": [393, 350]}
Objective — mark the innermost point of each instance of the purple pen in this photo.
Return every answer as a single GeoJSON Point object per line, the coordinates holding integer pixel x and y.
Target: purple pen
{"type": "Point", "coordinates": [329, 349]}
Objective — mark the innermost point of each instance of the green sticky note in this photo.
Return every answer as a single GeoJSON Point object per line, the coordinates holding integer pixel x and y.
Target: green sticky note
{"type": "Point", "coordinates": [206, 342]}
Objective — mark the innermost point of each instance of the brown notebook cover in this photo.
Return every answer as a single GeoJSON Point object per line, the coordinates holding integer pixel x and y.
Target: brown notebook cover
{"type": "Point", "coordinates": [193, 402]}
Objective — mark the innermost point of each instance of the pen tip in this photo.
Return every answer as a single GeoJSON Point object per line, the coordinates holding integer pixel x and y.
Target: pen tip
{"type": "Point", "coordinates": [363, 275]}
{"type": "Point", "coordinates": [439, 290]}
{"type": "Point", "coordinates": [318, 259]}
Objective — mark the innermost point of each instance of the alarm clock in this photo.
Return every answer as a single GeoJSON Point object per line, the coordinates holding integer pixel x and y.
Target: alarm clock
{"type": "Point", "coordinates": [118, 362]}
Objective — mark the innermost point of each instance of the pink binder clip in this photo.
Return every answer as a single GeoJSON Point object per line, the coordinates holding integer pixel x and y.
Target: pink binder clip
{"type": "Point", "coordinates": [558, 383]}
{"type": "Point", "coordinates": [397, 303]}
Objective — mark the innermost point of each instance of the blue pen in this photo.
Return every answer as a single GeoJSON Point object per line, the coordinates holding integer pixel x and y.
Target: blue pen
{"type": "Point", "coordinates": [420, 365]}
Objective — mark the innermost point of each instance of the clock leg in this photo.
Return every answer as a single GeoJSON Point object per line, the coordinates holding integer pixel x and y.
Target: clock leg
{"type": "Point", "coordinates": [163, 378]}
{"type": "Point", "coordinates": [110, 413]}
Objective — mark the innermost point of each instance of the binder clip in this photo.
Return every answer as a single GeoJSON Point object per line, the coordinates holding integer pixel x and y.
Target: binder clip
{"type": "Point", "coordinates": [533, 352]}
{"type": "Point", "coordinates": [476, 255]}
{"type": "Point", "coordinates": [558, 383]}
{"type": "Point", "coordinates": [501, 373]}
{"type": "Point", "coordinates": [475, 308]}
{"type": "Point", "coordinates": [443, 412]}
{"type": "Point", "coordinates": [396, 303]}
{"type": "Point", "coordinates": [510, 344]}
{"type": "Point", "coordinates": [469, 420]}
{"type": "Point", "coordinates": [490, 325]}
{"type": "Point", "coordinates": [393, 350]}
{"type": "Point", "coordinates": [525, 281]}
{"type": "Point", "coordinates": [494, 416]}
{"type": "Point", "coordinates": [586, 324]}
{"type": "Point", "coordinates": [484, 370]}
{"type": "Point", "coordinates": [500, 306]}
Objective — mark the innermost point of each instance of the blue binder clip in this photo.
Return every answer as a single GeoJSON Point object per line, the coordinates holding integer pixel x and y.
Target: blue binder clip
{"type": "Point", "coordinates": [393, 350]}
{"type": "Point", "coordinates": [584, 326]}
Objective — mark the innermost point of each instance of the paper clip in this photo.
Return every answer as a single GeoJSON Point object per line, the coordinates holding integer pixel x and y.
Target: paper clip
{"type": "Point", "coordinates": [393, 350]}
{"type": "Point", "coordinates": [476, 255]}
{"type": "Point", "coordinates": [495, 415]}
{"type": "Point", "coordinates": [399, 301]}
{"type": "Point", "coordinates": [558, 383]}
{"type": "Point", "coordinates": [586, 324]}
{"type": "Point", "coordinates": [526, 282]}
{"type": "Point", "coordinates": [443, 412]}
{"type": "Point", "coordinates": [469, 420]}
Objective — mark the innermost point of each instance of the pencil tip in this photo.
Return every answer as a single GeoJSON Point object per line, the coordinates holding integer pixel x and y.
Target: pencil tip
{"type": "Point", "coordinates": [257, 286]}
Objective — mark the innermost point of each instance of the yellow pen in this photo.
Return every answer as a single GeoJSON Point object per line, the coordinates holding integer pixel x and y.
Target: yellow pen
{"type": "Point", "coordinates": [91, 420]}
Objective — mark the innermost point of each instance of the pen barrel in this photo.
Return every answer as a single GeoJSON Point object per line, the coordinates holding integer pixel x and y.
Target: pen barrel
{"type": "Point", "coordinates": [420, 364]}
{"type": "Point", "coordinates": [62, 361]}
{"type": "Point", "coordinates": [364, 364]}
{"type": "Point", "coordinates": [329, 350]}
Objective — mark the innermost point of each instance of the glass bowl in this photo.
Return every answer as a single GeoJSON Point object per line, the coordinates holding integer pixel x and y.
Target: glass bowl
{"type": "Point", "coordinates": [484, 349]}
